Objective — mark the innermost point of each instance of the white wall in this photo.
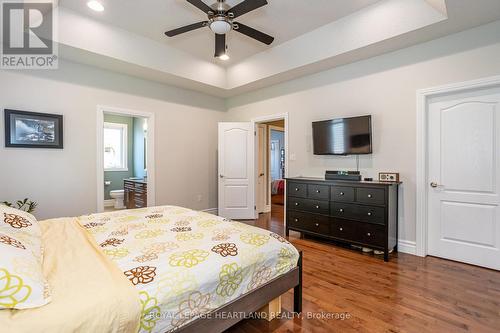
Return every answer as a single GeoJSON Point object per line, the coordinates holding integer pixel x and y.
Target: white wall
{"type": "Point", "coordinates": [384, 87]}
{"type": "Point", "coordinates": [64, 181]}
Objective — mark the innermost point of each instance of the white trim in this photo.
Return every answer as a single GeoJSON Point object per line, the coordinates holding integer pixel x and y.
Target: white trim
{"type": "Point", "coordinates": [279, 116]}
{"type": "Point", "coordinates": [423, 97]}
{"type": "Point", "coordinates": [101, 109]}
{"type": "Point", "coordinates": [109, 203]}
{"type": "Point", "coordinates": [408, 247]}
{"type": "Point", "coordinates": [213, 211]}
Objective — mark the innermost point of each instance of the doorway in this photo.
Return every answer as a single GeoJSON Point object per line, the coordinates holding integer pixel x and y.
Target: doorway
{"type": "Point", "coordinates": [271, 158]}
{"type": "Point", "coordinates": [462, 175]}
{"type": "Point", "coordinates": [125, 159]}
{"type": "Point", "coordinates": [243, 192]}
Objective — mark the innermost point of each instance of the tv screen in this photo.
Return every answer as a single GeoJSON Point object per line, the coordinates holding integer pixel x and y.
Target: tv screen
{"type": "Point", "coordinates": [344, 136]}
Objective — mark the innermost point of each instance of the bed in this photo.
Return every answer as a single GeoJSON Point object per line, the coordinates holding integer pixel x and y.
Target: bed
{"type": "Point", "coordinates": [159, 269]}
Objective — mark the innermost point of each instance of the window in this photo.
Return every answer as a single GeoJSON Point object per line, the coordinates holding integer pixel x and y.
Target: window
{"type": "Point", "coordinates": [115, 147]}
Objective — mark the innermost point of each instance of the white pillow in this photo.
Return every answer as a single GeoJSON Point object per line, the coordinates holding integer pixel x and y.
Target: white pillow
{"type": "Point", "coordinates": [22, 284]}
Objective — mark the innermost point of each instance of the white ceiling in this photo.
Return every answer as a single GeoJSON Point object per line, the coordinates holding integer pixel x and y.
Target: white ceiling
{"type": "Point", "coordinates": [282, 19]}
{"type": "Point", "coordinates": [311, 36]}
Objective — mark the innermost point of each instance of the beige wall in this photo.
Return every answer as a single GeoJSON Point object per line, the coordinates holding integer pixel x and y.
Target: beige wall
{"type": "Point", "coordinates": [384, 87]}
{"type": "Point", "coordinates": [64, 181]}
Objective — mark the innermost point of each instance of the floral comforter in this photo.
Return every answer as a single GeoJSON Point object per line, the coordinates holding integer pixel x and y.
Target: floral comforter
{"type": "Point", "coordinates": [186, 263]}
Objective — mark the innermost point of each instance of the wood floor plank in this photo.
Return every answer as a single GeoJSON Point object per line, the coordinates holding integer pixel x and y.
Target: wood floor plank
{"type": "Point", "coordinates": [407, 294]}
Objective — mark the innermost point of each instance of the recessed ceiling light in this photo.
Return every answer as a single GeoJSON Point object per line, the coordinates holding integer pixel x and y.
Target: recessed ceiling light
{"type": "Point", "coordinates": [95, 5]}
{"type": "Point", "coordinates": [224, 57]}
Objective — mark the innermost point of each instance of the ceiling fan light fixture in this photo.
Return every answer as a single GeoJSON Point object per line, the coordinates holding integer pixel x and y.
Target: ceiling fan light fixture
{"type": "Point", "coordinates": [220, 27]}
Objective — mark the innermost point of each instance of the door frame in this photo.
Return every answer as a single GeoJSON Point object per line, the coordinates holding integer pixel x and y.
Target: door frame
{"type": "Point", "coordinates": [269, 128]}
{"type": "Point", "coordinates": [423, 97]}
{"type": "Point", "coordinates": [266, 119]}
{"type": "Point", "coordinates": [150, 150]}
{"type": "Point", "coordinates": [266, 207]}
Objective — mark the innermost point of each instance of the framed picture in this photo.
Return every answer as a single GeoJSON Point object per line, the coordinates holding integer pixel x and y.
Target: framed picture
{"type": "Point", "coordinates": [33, 130]}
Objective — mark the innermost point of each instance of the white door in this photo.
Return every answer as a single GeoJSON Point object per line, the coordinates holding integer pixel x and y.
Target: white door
{"type": "Point", "coordinates": [261, 168]}
{"type": "Point", "coordinates": [464, 177]}
{"type": "Point", "coordinates": [236, 170]}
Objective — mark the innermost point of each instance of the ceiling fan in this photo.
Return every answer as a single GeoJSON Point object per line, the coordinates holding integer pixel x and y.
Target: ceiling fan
{"type": "Point", "coordinates": [220, 21]}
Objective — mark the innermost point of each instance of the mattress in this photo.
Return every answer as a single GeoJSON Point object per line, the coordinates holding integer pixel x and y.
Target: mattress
{"type": "Point", "coordinates": [186, 263]}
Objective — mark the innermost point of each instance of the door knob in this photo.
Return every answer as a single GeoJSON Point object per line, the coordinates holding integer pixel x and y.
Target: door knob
{"type": "Point", "coordinates": [261, 175]}
{"type": "Point", "coordinates": [434, 185]}
{"type": "Point", "coordinates": [221, 176]}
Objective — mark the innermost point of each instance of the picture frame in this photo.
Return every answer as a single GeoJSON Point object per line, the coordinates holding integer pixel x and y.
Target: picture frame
{"type": "Point", "coordinates": [25, 129]}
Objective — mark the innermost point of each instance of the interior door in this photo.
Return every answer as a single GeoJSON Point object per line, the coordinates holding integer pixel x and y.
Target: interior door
{"type": "Point", "coordinates": [464, 143]}
{"type": "Point", "coordinates": [236, 171]}
{"type": "Point", "coordinates": [261, 168]}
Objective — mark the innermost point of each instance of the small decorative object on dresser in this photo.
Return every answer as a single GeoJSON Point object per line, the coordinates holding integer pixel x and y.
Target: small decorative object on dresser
{"type": "Point", "coordinates": [355, 212]}
{"type": "Point", "coordinates": [388, 177]}
{"type": "Point", "coordinates": [136, 193]}
{"type": "Point", "coordinates": [33, 130]}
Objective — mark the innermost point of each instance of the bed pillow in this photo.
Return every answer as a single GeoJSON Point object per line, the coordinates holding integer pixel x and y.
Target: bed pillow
{"type": "Point", "coordinates": [22, 284]}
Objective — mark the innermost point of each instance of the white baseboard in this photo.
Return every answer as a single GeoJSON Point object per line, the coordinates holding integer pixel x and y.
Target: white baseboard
{"type": "Point", "coordinates": [213, 211]}
{"type": "Point", "coordinates": [109, 203]}
{"type": "Point", "coordinates": [408, 247]}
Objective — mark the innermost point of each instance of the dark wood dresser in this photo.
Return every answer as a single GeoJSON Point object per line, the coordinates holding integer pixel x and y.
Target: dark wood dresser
{"type": "Point", "coordinates": [136, 193]}
{"type": "Point", "coordinates": [358, 213]}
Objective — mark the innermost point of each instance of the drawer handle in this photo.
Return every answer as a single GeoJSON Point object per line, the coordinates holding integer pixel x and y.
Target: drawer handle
{"type": "Point", "coordinates": [341, 210]}
{"type": "Point", "coordinates": [341, 229]}
{"type": "Point", "coordinates": [297, 189]}
{"type": "Point", "coordinates": [369, 234]}
{"type": "Point", "coordinates": [369, 195]}
{"type": "Point", "coordinates": [317, 207]}
{"type": "Point", "coordinates": [341, 193]}
{"type": "Point", "coordinates": [369, 214]}
{"type": "Point", "coordinates": [318, 191]}
{"type": "Point", "coordinates": [316, 224]}
{"type": "Point", "coordinates": [296, 204]}
{"type": "Point", "coordinates": [296, 220]}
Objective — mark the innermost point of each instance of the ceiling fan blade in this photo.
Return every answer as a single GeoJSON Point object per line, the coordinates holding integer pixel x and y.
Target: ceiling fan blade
{"type": "Point", "coordinates": [255, 34]}
{"type": "Point", "coordinates": [187, 28]}
{"type": "Point", "coordinates": [201, 5]}
{"type": "Point", "coordinates": [220, 45]}
{"type": "Point", "coordinates": [246, 6]}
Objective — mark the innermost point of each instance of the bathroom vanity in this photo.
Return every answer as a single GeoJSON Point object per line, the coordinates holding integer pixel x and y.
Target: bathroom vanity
{"type": "Point", "coordinates": [136, 193]}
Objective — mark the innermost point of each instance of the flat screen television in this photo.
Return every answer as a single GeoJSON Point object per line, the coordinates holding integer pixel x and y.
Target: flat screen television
{"type": "Point", "coordinates": [343, 136]}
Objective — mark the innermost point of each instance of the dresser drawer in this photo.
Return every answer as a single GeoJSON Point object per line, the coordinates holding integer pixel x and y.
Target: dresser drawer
{"type": "Point", "coordinates": [374, 196]}
{"type": "Point", "coordinates": [308, 205]}
{"type": "Point", "coordinates": [297, 203]}
{"type": "Point", "coordinates": [342, 194]}
{"type": "Point", "coordinates": [370, 214]}
{"type": "Point", "coordinates": [308, 222]}
{"type": "Point", "coordinates": [343, 229]}
{"type": "Point", "coordinates": [343, 210]}
{"type": "Point", "coordinates": [297, 190]}
{"type": "Point", "coordinates": [372, 234]}
{"type": "Point", "coordinates": [319, 192]}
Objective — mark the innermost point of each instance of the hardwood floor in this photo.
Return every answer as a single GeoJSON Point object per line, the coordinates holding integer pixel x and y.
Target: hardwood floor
{"type": "Point", "coordinates": [407, 294]}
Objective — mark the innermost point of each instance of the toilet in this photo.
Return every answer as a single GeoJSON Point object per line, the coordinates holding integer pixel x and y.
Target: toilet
{"type": "Point", "coordinates": [118, 196]}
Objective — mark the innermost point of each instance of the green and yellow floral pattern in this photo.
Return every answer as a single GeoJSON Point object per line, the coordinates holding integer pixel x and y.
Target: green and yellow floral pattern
{"type": "Point", "coordinates": [22, 284]}
{"type": "Point", "coordinates": [186, 263]}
